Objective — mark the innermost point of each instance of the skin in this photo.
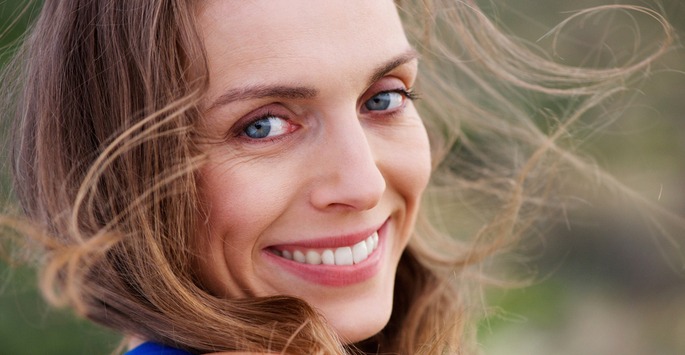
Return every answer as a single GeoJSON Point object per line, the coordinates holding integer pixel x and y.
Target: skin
{"type": "Point", "coordinates": [334, 167]}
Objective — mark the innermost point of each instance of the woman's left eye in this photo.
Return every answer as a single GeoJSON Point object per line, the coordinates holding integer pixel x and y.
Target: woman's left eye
{"type": "Point", "coordinates": [383, 101]}
{"type": "Point", "coordinates": [267, 127]}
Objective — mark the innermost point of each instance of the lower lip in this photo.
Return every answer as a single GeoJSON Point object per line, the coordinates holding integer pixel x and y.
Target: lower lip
{"type": "Point", "coordinates": [333, 275]}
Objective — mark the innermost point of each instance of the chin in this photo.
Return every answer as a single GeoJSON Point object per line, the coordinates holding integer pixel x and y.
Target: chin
{"type": "Point", "coordinates": [358, 318]}
{"type": "Point", "coordinates": [353, 330]}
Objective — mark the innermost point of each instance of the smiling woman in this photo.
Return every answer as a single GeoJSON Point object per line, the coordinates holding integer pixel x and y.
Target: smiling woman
{"type": "Point", "coordinates": [232, 176]}
{"type": "Point", "coordinates": [307, 147]}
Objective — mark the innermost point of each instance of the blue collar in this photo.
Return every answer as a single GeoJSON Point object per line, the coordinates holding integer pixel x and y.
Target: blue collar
{"type": "Point", "coordinates": [155, 349]}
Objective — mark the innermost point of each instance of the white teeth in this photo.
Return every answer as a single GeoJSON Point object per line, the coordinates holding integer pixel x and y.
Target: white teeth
{"type": "Point", "coordinates": [359, 252]}
{"type": "Point", "coordinates": [313, 257]}
{"type": "Point", "coordinates": [327, 257]}
{"type": "Point", "coordinates": [299, 257]}
{"type": "Point", "coordinates": [339, 256]}
{"type": "Point", "coordinates": [369, 244]}
{"type": "Point", "coordinates": [343, 256]}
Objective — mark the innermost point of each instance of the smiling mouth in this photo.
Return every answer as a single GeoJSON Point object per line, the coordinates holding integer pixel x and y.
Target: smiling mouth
{"type": "Point", "coordinates": [345, 255]}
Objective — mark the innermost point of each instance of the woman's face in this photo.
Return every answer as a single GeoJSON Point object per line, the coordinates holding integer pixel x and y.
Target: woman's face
{"type": "Point", "coordinates": [319, 158]}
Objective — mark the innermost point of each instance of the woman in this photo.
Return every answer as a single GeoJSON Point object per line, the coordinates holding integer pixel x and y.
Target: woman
{"type": "Point", "coordinates": [225, 176]}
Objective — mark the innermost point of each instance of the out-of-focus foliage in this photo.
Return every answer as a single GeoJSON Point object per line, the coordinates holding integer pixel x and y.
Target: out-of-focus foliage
{"type": "Point", "coordinates": [608, 281]}
{"type": "Point", "coordinates": [27, 325]}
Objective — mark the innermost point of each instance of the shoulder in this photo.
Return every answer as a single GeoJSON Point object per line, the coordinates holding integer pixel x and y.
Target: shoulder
{"type": "Point", "coordinates": [155, 349]}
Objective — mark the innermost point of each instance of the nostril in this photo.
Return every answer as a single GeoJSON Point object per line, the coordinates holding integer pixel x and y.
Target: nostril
{"type": "Point", "coordinates": [349, 188]}
{"type": "Point", "coordinates": [348, 174]}
{"type": "Point", "coordinates": [354, 184]}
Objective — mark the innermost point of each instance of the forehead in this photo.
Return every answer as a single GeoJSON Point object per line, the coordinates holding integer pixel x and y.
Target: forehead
{"type": "Point", "coordinates": [291, 39]}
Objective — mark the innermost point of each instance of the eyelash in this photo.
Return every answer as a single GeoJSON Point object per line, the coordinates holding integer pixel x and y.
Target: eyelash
{"type": "Point", "coordinates": [238, 132]}
{"type": "Point", "coordinates": [409, 93]}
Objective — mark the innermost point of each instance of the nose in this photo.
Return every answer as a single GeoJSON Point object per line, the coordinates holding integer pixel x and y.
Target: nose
{"type": "Point", "coordinates": [348, 174]}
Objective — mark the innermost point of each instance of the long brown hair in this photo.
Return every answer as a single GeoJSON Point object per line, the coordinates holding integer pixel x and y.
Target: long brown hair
{"type": "Point", "coordinates": [104, 157]}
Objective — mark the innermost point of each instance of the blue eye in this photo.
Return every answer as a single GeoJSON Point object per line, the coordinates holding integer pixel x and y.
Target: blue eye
{"type": "Point", "coordinates": [266, 127]}
{"type": "Point", "coordinates": [383, 101]}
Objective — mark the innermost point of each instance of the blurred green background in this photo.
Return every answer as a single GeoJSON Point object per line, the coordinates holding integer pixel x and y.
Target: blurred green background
{"type": "Point", "coordinates": [606, 282]}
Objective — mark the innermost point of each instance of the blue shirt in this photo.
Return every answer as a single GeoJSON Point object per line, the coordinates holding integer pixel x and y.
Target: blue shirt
{"type": "Point", "coordinates": [155, 349]}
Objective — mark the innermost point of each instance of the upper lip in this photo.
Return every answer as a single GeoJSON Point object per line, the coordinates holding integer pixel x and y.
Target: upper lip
{"type": "Point", "coordinates": [331, 241]}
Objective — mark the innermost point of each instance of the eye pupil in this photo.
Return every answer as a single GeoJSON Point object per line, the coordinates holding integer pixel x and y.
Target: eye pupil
{"type": "Point", "coordinates": [379, 102]}
{"type": "Point", "coordinates": [259, 129]}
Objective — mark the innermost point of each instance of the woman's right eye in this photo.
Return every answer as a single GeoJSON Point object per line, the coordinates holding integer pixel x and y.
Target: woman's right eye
{"type": "Point", "coordinates": [268, 127]}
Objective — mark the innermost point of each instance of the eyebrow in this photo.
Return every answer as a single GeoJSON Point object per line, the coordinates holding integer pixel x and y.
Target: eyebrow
{"type": "Point", "coordinates": [380, 71]}
{"type": "Point", "coordinates": [260, 91]}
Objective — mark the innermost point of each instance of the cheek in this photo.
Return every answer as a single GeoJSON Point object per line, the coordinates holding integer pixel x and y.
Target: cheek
{"type": "Point", "coordinates": [236, 194]}
{"type": "Point", "coordinates": [420, 162]}
{"type": "Point", "coordinates": [407, 160]}
{"type": "Point", "coordinates": [238, 205]}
